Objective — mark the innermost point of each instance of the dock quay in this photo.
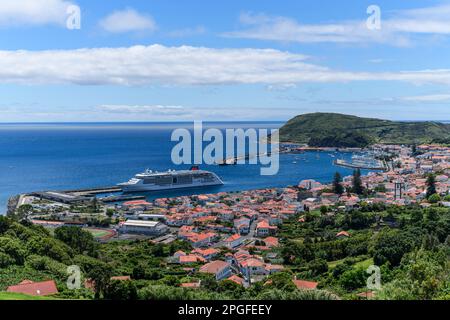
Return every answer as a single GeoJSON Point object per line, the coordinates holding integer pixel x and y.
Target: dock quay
{"type": "Point", "coordinates": [79, 195]}
{"type": "Point", "coordinates": [359, 165]}
{"type": "Point", "coordinates": [235, 160]}
{"type": "Point", "coordinates": [93, 191]}
{"type": "Point", "coordinates": [61, 197]}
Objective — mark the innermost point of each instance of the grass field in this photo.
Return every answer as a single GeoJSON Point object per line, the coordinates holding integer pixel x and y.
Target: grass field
{"type": "Point", "coordinates": [363, 264]}
{"type": "Point", "coordinates": [99, 233]}
{"type": "Point", "coordinates": [19, 296]}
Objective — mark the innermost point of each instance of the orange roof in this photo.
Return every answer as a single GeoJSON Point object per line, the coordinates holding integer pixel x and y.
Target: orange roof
{"type": "Point", "coordinates": [29, 287]}
{"type": "Point", "coordinates": [191, 259]}
{"type": "Point", "coordinates": [252, 262]}
{"type": "Point", "coordinates": [303, 284]}
{"type": "Point", "coordinates": [214, 266]}
{"type": "Point", "coordinates": [233, 238]}
{"type": "Point", "coordinates": [186, 228]}
{"type": "Point", "coordinates": [343, 233]}
{"type": "Point", "coordinates": [121, 278]}
{"type": "Point", "coordinates": [206, 252]}
{"type": "Point", "coordinates": [236, 279]}
{"type": "Point", "coordinates": [263, 224]}
{"type": "Point", "coordinates": [191, 285]}
{"type": "Point", "coordinates": [274, 267]}
{"type": "Point", "coordinates": [271, 241]}
{"type": "Point", "coordinates": [195, 237]}
{"type": "Point", "coordinates": [368, 294]}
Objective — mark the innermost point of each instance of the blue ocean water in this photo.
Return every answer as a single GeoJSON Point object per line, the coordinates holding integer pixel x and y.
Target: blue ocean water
{"type": "Point", "coordinates": [37, 157]}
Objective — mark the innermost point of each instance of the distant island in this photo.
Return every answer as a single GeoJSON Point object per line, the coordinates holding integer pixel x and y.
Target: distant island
{"type": "Point", "coordinates": [340, 130]}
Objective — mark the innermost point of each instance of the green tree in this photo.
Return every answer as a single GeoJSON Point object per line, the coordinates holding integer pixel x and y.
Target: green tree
{"type": "Point", "coordinates": [357, 183]}
{"type": "Point", "coordinates": [337, 184]}
{"type": "Point", "coordinates": [390, 246]}
{"type": "Point", "coordinates": [282, 281]}
{"type": "Point", "coordinates": [431, 185]}
{"type": "Point", "coordinates": [434, 198]}
{"type": "Point", "coordinates": [110, 212]}
{"type": "Point", "coordinates": [124, 290]}
{"type": "Point", "coordinates": [80, 240]}
{"type": "Point", "coordinates": [318, 267]}
{"type": "Point", "coordinates": [353, 279]}
{"type": "Point", "coordinates": [95, 207]}
{"type": "Point", "coordinates": [12, 250]}
{"type": "Point", "coordinates": [231, 288]}
{"type": "Point", "coordinates": [100, 275]}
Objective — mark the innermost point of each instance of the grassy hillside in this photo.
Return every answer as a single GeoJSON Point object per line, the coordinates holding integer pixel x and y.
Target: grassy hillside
{"type": "Point", "coordinates": [339, 130]}
{"type": "Point", "coordinates": [413, 259]}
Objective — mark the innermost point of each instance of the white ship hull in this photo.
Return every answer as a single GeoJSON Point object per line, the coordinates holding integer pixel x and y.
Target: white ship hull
{"type": "Point", "coordinates": [137, 188]}
{"type": "Point", "coordinates": [170, 180]}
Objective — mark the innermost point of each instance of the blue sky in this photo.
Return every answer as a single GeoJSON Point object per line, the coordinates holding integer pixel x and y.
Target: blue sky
{"type": "Point", "coordinates": [167, 60]}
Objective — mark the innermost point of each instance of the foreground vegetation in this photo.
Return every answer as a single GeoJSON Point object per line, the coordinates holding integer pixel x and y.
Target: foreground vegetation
{"type": "Point", "coordinates": [410, 245]}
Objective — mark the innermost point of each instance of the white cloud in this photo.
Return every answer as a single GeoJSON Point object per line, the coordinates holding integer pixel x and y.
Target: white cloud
{"type": "Point", "coordinates": [262, 27]}
{"type": "Point", "coordinates": [281, 87]}
{"type": "Point", "coordinates": [428, 98]}
{"type": "Point", "coordinates": [33, 12]}
{"type": "Point", "coordinates": [185, 65]}
{"type": "Point", "coordinates": [429, 20]}
{"type": "Point", "coordinates": [187, 113]}
{"type": "Point", "coordinates": [153, 109]}
{"type": "Point", "coordinates": [395, 30]}
{"type": "Point", "coordinates": [128, 20]}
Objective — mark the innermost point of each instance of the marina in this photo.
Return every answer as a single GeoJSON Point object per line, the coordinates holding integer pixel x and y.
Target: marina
{"type": "Point", "coordinates": [353, 165]}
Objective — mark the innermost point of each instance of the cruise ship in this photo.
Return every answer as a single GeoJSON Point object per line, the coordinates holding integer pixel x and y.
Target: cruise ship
{"type": "Point", "coordinates": [171, 179]}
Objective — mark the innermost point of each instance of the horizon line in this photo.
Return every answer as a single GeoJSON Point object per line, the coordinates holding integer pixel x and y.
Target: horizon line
{"type": "Point", "coordinates": [180, 121]}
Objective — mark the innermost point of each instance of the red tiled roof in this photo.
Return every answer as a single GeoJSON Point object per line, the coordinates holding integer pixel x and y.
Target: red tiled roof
{"type": "Point", "coordinates": [236, 279]}
{"type": "Point", "coordinates": [191, 285]}
{"type": "Point", "coordinates": [368, 294]}
{"type": "Point", "coordinates": [43, 288]}
{"type": "Point", "coordinates": [206, 252]}
{"type": "Point", "coordinates": [233, 238]}
{"type": "Point", "coordinates": [271, 241]}
{"type": "Point", "coordinates": [122, 278]}
{"type": "Point", "coordinates": [191, 259]}
{"type": "Point", "coordinates": [252, 262]}
{"type": "Point", "coordinates": [303, 284]}
{"type": "Point", "coordinates": [214, 266]}
{"type": "Point", "coordinates": [263, 224]}
{"type": "Point", "coordinates": [343, 233]}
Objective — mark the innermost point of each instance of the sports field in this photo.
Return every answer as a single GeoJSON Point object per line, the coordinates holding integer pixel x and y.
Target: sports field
{"type": "Point", "coordinates": [101, 233]}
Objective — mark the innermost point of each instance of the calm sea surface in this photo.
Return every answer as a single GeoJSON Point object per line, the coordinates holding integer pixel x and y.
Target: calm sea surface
{"type": "Point", "coordinates": [37, 157]}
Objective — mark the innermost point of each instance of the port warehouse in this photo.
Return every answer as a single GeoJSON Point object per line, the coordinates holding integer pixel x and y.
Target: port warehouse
{"type": "Point", "coordinates": [147, 227]}
{"type": "Point", "coordinates": [145, 224]}
{"type": "Point", "coordinates": [80, 197]}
